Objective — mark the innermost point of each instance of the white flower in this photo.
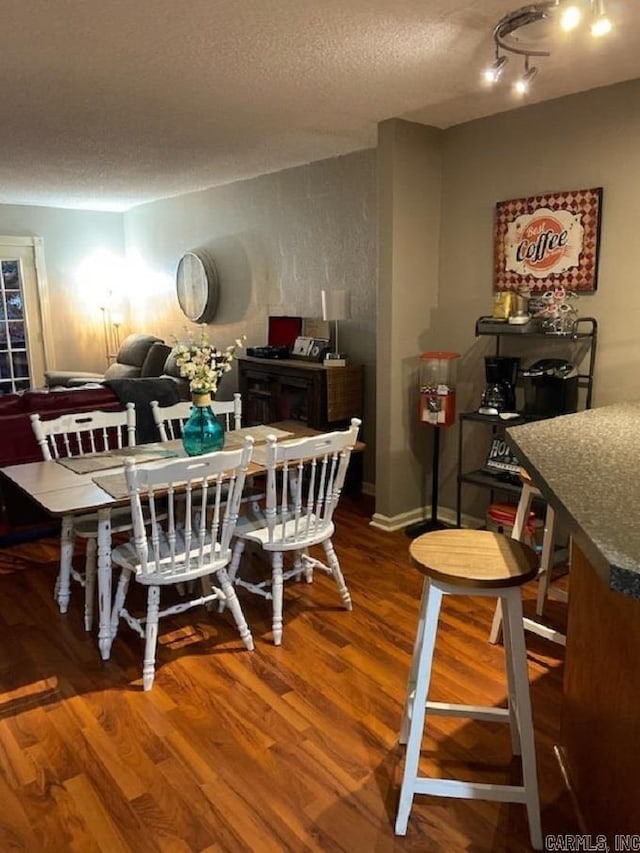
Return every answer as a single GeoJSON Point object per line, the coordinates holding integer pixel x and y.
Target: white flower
{"type": "Point", "coordinates": [203, 364]}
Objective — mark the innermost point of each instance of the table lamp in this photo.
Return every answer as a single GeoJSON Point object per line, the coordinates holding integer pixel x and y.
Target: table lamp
{"type": "Point", "coordinates": [335, 307]}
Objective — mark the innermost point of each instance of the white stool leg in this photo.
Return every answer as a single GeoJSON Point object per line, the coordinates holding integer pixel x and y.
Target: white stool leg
{"type": "Point", "coordinates": [546, 559]}
{"type": "Point", "coordinates": [516, 650]}
{"type": "Point", "coordinates": [411, 681]}
{"type": "Point", "coordinates": [512, 699]}
{"type": "Point", "coordinates": [522, 514]}
{"type": "Point", "coordinates": [431, 602]}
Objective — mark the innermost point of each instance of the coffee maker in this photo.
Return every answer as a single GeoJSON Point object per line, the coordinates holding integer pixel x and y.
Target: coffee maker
{"type": "Point", "coordinates": [499, 395]}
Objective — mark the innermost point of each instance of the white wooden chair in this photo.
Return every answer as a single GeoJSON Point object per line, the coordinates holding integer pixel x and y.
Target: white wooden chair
{"type": "Point", "coordinates": [78, 435]}
{"type": "Point", "coordinates": [192, 542]}
{"type": "Point", "coordinates": [170, 420]}
{"type": "Point", "coordinates": [545, 587]}
{"type": "Point", "coordinates": [304, 483]}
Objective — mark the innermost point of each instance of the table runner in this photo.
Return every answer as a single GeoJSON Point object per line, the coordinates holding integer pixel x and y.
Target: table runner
{"type": "Point", "coordinates": [116, 484]}
{"type": "Point", "coordinates": [115, 458]}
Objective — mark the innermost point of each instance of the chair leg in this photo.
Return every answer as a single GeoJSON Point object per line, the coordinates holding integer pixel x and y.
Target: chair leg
{"type": "Point", "coordinates": [90, 582]}
{"type": "Point", "coordinates": [238, 550]}
{"type": "Point", "coordinates": [334, 565]}
{"type": "Point", "coordinates": [517, 651]}
{"type": "Point", "coordinates": [233, 604]}
{"type": "Point", "coordinates": [276, 594]}
{"type": "Point", "coordinates": [308, 575]}
{"type": "Point", "coordinates": [431, 604]}
{"type": "Point", "coordinates": [151, 637]}
{"type": "Point", "coordinates": [63, 584]}
{"type": "Point", "coordinates": [119, 599]}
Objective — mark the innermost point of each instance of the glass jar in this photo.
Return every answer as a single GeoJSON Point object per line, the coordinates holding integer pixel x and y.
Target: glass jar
{"type": "Point", "coordinates": [438, 387]}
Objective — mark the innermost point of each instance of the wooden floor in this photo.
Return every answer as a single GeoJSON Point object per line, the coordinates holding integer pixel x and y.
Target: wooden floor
{"type": "Point", "coordinates": [280, 749]}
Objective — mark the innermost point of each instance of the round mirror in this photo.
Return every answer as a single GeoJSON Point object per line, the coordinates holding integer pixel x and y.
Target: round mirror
{"type": "Point", "coordinates": [197, 286]}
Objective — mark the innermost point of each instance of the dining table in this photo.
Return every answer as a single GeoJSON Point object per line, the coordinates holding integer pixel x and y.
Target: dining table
{"type": "Point", "coordinates": [96, 483]}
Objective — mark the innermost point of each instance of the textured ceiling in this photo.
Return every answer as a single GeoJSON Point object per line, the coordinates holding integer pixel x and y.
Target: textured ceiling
{"type": "Point", "coordinates": [105, 105]}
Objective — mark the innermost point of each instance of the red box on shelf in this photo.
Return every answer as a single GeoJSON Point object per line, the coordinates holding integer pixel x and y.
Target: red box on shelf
{"type": "Point", "coordinates": [284, 330]}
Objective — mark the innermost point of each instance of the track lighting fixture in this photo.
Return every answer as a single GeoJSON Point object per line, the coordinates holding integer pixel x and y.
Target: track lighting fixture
{"type": "Point", "coordinates": [569, 16]}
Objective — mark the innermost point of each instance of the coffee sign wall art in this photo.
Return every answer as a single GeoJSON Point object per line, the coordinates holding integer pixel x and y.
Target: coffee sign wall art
{"type": "Point", "coordinates": [548, 241]}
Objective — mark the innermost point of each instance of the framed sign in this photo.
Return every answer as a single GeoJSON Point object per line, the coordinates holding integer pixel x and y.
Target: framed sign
{"type": "Point", "coordinates": [548, 241]}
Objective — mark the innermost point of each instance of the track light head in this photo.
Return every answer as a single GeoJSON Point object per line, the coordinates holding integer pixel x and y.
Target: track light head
{"type": "Point", "coordinates": [494, 72]}
{"type": "Point", "coordinates": [570, 18]}
{"type": "Point", "coordinates": [521, 86]}
{"type": "Point", "coordinates": [601, 24]}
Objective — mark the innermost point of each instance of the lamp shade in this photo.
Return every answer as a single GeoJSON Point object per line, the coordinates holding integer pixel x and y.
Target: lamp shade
{"type": "Point", "coordinates": [335, 304]}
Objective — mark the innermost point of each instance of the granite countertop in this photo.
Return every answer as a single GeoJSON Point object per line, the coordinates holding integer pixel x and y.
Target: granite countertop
{"type": "Point", "coordinates": [588, 466]}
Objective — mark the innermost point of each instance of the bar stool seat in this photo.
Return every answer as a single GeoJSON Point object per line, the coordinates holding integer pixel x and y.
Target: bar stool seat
{"type": "Point", "coordinates": [471, 562]}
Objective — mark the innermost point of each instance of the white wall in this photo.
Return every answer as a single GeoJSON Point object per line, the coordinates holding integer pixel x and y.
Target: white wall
{"type": "Point", "coordinates": [70, 237]}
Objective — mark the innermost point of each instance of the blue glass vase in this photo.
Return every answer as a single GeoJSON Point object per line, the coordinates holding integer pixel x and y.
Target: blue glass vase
{"type": "Point", "coordinates": [203, 432]}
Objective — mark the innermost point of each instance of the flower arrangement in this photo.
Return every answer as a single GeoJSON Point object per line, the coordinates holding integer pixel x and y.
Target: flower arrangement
{"type": "Point", "coordinates": [204, 364]}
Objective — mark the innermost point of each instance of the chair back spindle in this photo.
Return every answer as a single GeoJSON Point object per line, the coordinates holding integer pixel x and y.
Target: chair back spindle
{"type": "Point", "coordinates": [193, 509]}
{"type": "Point", "coordinates": [85, 432]}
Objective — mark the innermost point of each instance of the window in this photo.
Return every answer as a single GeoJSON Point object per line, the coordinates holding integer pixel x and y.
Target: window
{"type": "Point", "coordinates": [21, 339]}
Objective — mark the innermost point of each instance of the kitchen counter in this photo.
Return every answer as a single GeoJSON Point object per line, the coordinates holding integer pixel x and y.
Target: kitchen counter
{"type": "Point", "coordinates": [588, 466]}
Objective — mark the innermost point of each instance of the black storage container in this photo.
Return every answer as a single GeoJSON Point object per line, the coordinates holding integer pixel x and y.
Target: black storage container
{"type": "Point", "coordinates": [550, 388]}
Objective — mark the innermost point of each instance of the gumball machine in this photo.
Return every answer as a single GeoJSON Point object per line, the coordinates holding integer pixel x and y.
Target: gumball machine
{"type": "Point", "coordinates": [437, 408]}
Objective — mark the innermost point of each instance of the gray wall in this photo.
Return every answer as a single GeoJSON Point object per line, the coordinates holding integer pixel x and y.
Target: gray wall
{"type": "Point", "coordinates": [409, 192]}
{"type": "Point", "coordinates": [278, 240]}
{"type": "Point", "coordinates": [587, 140]}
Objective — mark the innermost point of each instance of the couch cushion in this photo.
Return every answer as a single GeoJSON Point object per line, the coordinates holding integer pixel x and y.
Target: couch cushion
{"type": "Point", "coordinates": [69, 400]}
{"type": "Point", "coordinates": [11, 404]}
{"type": "Point", "coordinates": [121, 371]}
{"type": "Point", "coordinates": [153, 365]}
{"type": "Point", "coordinates": [133, 350]}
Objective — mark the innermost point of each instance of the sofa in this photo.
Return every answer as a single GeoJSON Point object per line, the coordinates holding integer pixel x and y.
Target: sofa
{"type": "Point", "coordinates": [138, 356]}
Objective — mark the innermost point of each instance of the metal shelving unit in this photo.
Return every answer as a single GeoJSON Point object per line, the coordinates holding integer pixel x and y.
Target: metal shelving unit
{"type": "Point", "coordinates": [584, 329]}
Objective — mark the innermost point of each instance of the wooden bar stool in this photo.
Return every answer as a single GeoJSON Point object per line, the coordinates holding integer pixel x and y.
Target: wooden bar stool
{"type": "Point", "coordinates": [545, 589]}
{"type": "Point", "coordinates": [471, 562]}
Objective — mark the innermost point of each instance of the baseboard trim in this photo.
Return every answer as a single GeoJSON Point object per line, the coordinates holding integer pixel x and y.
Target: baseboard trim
{"type": "Point", "coordinates": [390, 524]}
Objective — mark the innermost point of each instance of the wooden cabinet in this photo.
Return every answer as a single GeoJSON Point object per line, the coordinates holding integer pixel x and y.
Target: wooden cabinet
{"type": "Point", "coordinates": [287, 389]}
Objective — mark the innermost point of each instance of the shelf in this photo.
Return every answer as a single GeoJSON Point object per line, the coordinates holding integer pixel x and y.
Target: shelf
{"type": "Point", "coordinates": [491, 481]}
{"type": "Point", "coordinates": [496, 420]}
{"type": "Point", "coordinates": [491, 326]}
{"type": "Point", "coordinates": [585, 329]}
